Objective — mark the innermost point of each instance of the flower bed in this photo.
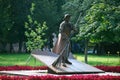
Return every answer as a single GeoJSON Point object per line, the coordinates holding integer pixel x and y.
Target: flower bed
{"type": "Point", "coordinates": [109, 68]}
{"type": "Point", "coordinates": [61, 77]}
{"type": "Point", "coordinates": [50, 77]}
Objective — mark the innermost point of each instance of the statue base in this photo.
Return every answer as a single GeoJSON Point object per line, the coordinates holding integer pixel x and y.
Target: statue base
{"type": "Point", "coordinates": [76, 67]}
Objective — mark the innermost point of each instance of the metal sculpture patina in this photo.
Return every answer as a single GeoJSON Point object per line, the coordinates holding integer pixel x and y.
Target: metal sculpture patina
{"type": "Point", "coordinates": [62, 45]}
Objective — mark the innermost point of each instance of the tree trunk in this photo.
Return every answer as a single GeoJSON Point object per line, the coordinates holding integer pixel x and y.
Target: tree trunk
{"type": "Point", "coordinates": [20, 46]}
{"type": "Point", "coordinates": [3, 49]}
{"type": "Point", "coordinates": [86, 49]}
{"type": "Point", "coordinates": [98, 48]}
{"type": "Point", "coordinates": [11, 47]}
{"type": "Point", "coordinates": [95, 48]}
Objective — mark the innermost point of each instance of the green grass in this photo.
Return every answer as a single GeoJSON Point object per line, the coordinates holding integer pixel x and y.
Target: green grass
{"type": "Point", "coordinates": [9, 59]}
{"type": "Point", "coordinates": [93, 59]}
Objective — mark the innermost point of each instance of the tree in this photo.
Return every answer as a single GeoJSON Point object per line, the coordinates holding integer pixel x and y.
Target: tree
{"type": "Point", "coordinates": [12, 17]}
{"type": "Point", "coordinates": [99, 20]}
{"type": "Point", "coordinates": [49, 11]}
{"type": "Point", "coordinates": [19, 10]}
{"type": "Point", "coordinates": [5, 22]}
{"type": "Point", "coordinates": [14, 14]}
{"type": "Point", "coordinates": [35, 32]}
{"type": "Point", "coordinates": [102, 23]}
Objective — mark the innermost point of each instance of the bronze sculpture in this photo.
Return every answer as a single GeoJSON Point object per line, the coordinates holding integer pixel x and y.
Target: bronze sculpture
{"type": "Point", "coordinates": [63, 46]}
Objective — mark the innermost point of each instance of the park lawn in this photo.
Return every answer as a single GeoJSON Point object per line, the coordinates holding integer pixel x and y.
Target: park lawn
{"type": "Point", "coordinates": [24, 59]}
{"type": "Point", "coordinates": [94, 59]}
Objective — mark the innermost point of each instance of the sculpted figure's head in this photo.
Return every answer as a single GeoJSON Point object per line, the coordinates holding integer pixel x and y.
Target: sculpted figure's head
{"type": "Point", "coordinates": [67, 17]}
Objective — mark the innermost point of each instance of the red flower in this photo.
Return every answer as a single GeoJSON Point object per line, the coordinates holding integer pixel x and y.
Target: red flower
{"type": "Point", "coordinates": [109, 68]}
{"type": "Point", "coordinates": [51, 77]}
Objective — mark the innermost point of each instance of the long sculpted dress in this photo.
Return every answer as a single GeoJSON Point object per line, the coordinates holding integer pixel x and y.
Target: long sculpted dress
{"type": "Point", "coordinates": [62, 46]}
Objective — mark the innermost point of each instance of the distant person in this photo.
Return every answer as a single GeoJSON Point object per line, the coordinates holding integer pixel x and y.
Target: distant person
{"type": "Point", "coordinates": [62, 45]}
{"type": "Point", "coordinates": [46, 48]}
{"type": "Point", "coordinates": [54, 39]}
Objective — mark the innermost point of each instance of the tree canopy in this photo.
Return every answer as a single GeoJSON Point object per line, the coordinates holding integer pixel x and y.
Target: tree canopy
{"type": "Point", "coordinates": [14, 14]}
{"type": "Point", "coordinates": [35, 32]}
{"type": "Point", "coordinates": [97, 20]}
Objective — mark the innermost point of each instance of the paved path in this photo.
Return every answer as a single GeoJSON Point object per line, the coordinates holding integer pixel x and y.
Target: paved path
{"type": "Point", "coordinates": [45, 72]}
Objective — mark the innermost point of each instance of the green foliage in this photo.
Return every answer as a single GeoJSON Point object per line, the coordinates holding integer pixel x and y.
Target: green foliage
{"type": "Point", "coordinates": [5, 21]}
{"type": "Point", "coordinates": [101, 22]}
{"type": "Point", "coordinates": [46, 10]}
{"type": "Point", "coordinates": [13, 15]}
{"type": "Point", "coordinates": [35, 32]}
{"type": "Point", "coordinates": [99, 19]}
{"type": "Point", "coordinates": [50, 12]}
{"type": "Point", "coordinates": [77, 8]}
{"type": "Point", "coordinates": [19, 11]}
